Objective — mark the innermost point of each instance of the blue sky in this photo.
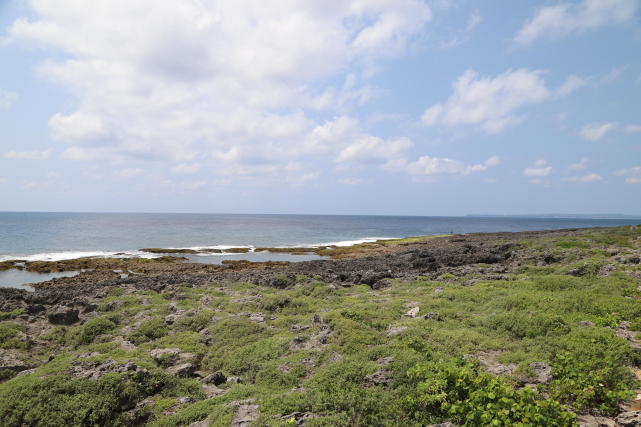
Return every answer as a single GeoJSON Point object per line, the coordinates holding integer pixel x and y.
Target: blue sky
{"type": "Point", "coordinates": [442, 107]}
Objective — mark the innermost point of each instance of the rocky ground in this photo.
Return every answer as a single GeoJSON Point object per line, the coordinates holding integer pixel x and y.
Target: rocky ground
{"type": "Point", "coordinates": [537, 327]}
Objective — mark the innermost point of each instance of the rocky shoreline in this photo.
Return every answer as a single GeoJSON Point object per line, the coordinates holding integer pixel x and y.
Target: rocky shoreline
{"type": "Point", "coordinates": [106, 318]}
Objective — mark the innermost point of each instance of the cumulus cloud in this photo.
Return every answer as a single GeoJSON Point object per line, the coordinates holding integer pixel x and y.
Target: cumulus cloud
{"type": "Point", "coordinates": [580, 165]}
{"type": "Point", "coordinates": [596, 131]}
{"type": "Point", "coordinates": [427, 166]}
{"type": "Point", "coordinates": [540, 169]}
{"type": "Point", "coordinates": [632, 175]}
{"type": "Point", "coordinates": [584, 179]}
{"type": "Point", "coordinates": [27, 155]}
{"type": "Point", "coordinates": [7, 99]}
{"type": "Point", "coordinates": [564, 19]}
{"type": "Point", "coordinates": [491, 102]}
{"type": "Point", "coordinates": [228, 85]}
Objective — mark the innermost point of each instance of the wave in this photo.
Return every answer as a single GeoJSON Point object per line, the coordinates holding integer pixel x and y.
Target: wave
{"type": "Point", "coordinates": [342, 243]}
{"type": "Point", "coordinates": [67, 255]}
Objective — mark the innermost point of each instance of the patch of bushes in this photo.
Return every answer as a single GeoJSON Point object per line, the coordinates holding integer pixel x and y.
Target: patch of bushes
{"type": "Point", "coordinates": [591, 370]}
{"type": "Point", "coordinates": [8, 315]}
{"type": "Point", "coordinates": [150, 330]}
{"type": "Point", "coordinates": [460, 393]}
{"type": "Point", "coordinates": [521, 325]}
{"type": "Point", "coordinates": [194, 323]}
{"type": "Point", "coordinates": [92, 328]}
{"type": "Point", "coordinates": [10, 336]}
{"type": "Point", "coordinates": [58, 400]}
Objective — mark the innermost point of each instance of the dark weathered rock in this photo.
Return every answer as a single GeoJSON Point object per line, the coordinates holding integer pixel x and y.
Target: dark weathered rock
{"type": "Point", "coordinates": [629, 419]}
{"type": "Point", "coordinates": [94, 370]}
{"type": "Point", "coordinates": [377, 378]}
{"type": "Point", "coordinates": [62, 315]}
{"type": "Point", "coordinates": [217, 378]}
{"type": "Point", "coordinates": [432, 315]}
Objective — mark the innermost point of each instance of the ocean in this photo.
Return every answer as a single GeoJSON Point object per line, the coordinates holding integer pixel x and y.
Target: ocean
{"type": "Point", "coordinates": [56, 236]}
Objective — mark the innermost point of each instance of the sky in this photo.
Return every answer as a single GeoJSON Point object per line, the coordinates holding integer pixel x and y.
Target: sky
{"type": "Point", "coordinates": [395, 107]}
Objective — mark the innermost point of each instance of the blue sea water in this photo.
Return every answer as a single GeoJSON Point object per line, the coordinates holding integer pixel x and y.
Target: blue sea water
{"type": "Point", "coordinates": [53, 236]}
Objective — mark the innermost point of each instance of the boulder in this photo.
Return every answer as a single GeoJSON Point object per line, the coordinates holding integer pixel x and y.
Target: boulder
{"type": "Point", "coordinates": [165, 355]}
{"type": "Point", "coordinates": [629, 419]}
{"type": "Point", "coordinates": [182, 370]}
{"type": "Point", "coordinates": [217, 378]}
{"type": "Point", "coordinates": [542, 372]}
{"type": "Point", "coordinates": [61, 315]}
{"type": "Point", "coordinates": [12, 363]}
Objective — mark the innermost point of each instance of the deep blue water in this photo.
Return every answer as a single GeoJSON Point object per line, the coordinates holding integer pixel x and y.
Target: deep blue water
{"type": "Point", "coordinates": [65, 235]}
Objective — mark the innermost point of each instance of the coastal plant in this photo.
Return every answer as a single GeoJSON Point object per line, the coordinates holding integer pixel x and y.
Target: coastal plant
{"type": "Point", "coordinates": [8, 315]}
{"type": "Point", "coordinates": [10, 336]}
{"type": "Point", "coordinates": [591, 370]}
{"type": "Point", "coordinates": [92, 328]}
{"type": "Point", "coordinates": [459, 392]}
{"type": "Point", "coordinates": [150, 330]}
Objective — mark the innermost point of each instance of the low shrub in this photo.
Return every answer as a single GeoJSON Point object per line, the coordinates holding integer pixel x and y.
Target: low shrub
{"type": "Point", "coordinates": [150, 330]}
{"type": "Point", "coordinates": [94, 327]}
{"type": "Point", "coordinates": [459, 392]}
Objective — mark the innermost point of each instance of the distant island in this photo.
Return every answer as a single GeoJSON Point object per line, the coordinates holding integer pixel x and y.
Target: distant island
{"type": "Point", "coordinates": [558, 215]}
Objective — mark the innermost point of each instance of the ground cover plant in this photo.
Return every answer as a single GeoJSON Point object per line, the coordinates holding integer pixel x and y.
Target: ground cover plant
{"type": "Point", "coordinates": [547, 338]}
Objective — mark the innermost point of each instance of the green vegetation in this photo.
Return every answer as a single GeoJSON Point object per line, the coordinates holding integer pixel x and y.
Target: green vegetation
{"type": "Point", "coordinates": [150, 330]}
{"type": "Point", "coordinates": [351, 355]}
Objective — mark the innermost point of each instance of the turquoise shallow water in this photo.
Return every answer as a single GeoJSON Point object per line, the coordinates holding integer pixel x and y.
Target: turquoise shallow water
{"type": "Point", "coordinates": [52, 236]}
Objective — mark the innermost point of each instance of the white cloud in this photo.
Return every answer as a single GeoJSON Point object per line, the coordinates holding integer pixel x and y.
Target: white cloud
{"type": "Point", "coordinates": [230, 85]}
{"type": "Point", "coordinates": [7, 99]}
{"type": "Point", "coordinates": [3, 180]}
{"type": "Point", "coordinates": [350, 181]}
{"type": "Point", "coordinates": [490, 102]}
{"type": "Point", "coordinates": [436, 166]}
{"type": "Point", "coordinates": [574, 82]}
{"type": "Point", "coordinates": [632, 129]}
{"type": "Point", "coordinates": [599, 130]}
{"type": "Point", "coordinates": [632, 175]}
{"type": "Point", "coordinates": [539, 169]}
{"type": "Point", "coordinates": [580, 165]}
{"type": "Point", "coordinates": [372, 148]}
{"type": "Point", "coordinates": [596, 131]}
{"type": "Point", "coordinates": [27, 155]}
{"type": "Point", "coordinates": [584, 179]}
{"type": "Point", "coordinates": [564, 19]}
